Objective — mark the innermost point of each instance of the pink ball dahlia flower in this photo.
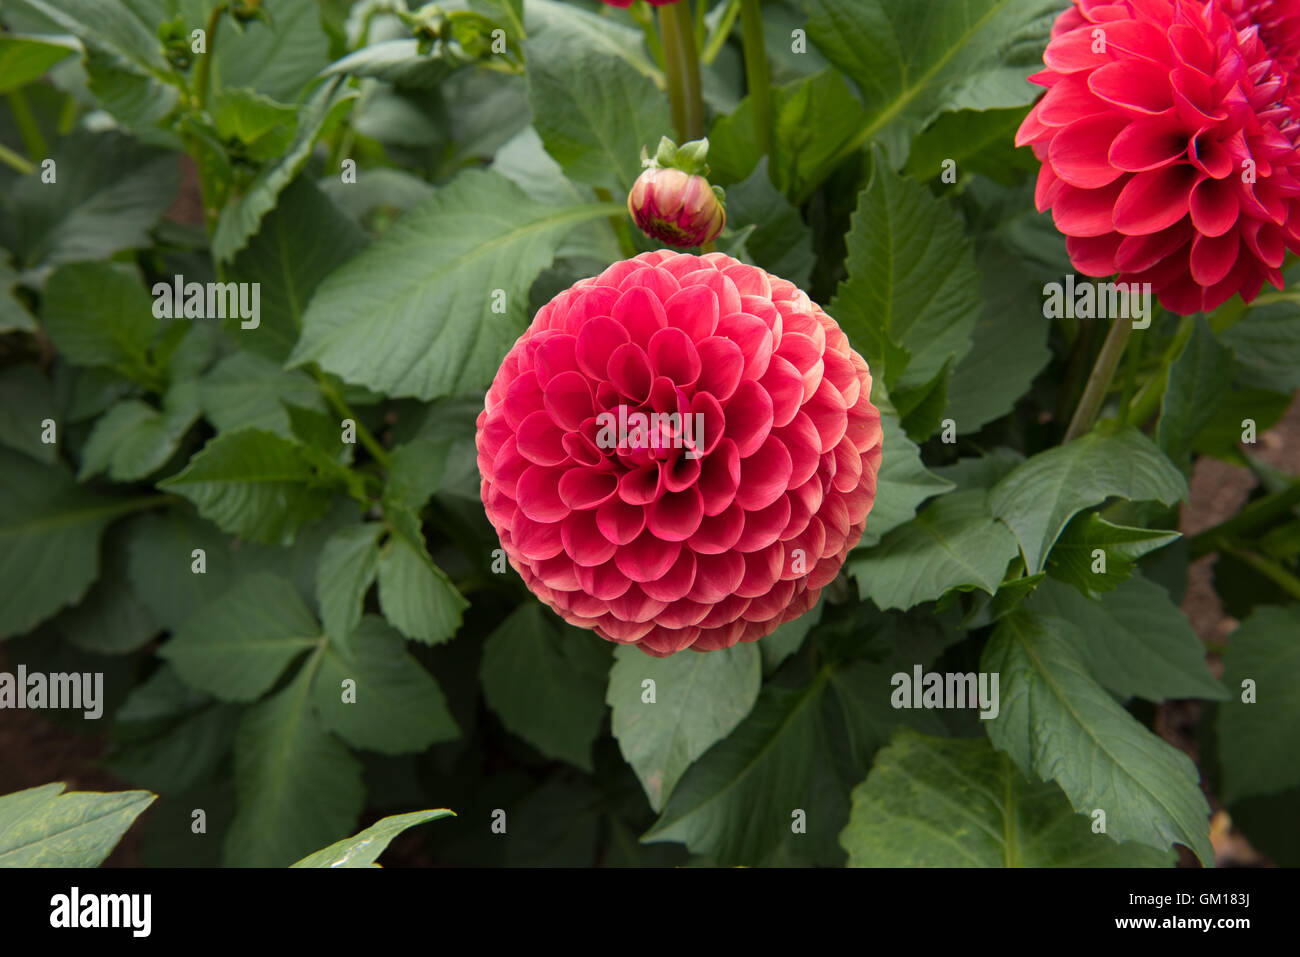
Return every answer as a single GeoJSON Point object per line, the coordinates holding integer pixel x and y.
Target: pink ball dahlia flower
{"type": "Point", "coordinates": [679, 452]}
{"type": "Point", "coordinates": [1168, 139]}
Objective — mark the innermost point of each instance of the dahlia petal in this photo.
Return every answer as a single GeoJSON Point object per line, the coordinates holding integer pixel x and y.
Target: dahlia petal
{"type": "Point", "coordinates": [604, 582]}
{"type": "Point", "coordinates": [675, 516]}
{"type": "Point", "coordinates": [1215, 206]}
{"type": "Point", "coordinates": [1153, 201]}
{"type": "Point", "coordinates": [1134, 85]}
{"type": "Point", "coordinates": [539, 494]}
{"type": "Point", "coordinates": [784, 386]}
{"type": "Point", "coordinates": [676, 583]}
{"type": "Point", "coordinates": [672, 354]}
{"type": "Point", "coordinates": [694, 310]}
{"type": "Point", "coordinates": [764, 476]}
{"type": "Point", "coordinates": [1148, 144]}
{"type": "Point", "coordinates": [620, 522]}
{"type": "Point", "coordinates": [629, 372]}
{"type": "Point", "coordinates": [1067, 101]}
{"type": "Point", "coordinates": [706, 424]}
{"type": "Point", "coordinates": [762, 568]}
{"type": "Point", "coordinates": [718, 533]}
{"type": "Point", "coordinates": [1213, 257]}
{"type": "Point", "coordinates": [764, 526]}
{"type": "Point", "coordinates": [1079, 152]}
{"type": "Point", "coordinates": [640, 312]}
{"type": "Point", "coordinates": [720, 477]}
{"type": "Point", "coordinates": [568, 399]}
{"type": "Point", "coordinates": [585, 488]}
{"type": "Point", "coordinates": [641, 486]}
{"type": "Point", "coordinates": [1094, 255]}
{"type": "Point", "coordinates": [723, 365]}
{"type": "Point", "coordinates": [1086, 212]}
{"type": "Point", "coordinates": [597, 340]}
{"type": "Point", "coordinates": [646, 557]}
{"type": "Point", "coordinates": [540, 440]}
{"type": "Point", "coordinates": [536, 541]}
{"type": "Point", "coordinates": [748, 417]}
{"type": "Point", "coordinates": [753, 337]}
{"type": "Point", "coordinates": [717, 577]}
{"type": "Point", "coordinates": [583, 540]}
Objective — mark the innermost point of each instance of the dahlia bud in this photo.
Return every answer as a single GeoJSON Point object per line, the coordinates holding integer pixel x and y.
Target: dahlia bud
{"type": "Point", "coordinates": [672, 201]}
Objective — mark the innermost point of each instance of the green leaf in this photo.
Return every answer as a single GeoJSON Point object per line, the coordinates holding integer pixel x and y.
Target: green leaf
{"type": "Point", "coordinates": [546, 682]}
{"type": "Point", "coordinates": [734, 804]}
{"type": "Point", "coordinates": [1057, 723]}
{"type": "Point", "coordinates": [415, 470]}
{"type": "Point", "coordinates": [297, 787]}
{"type": "Point", "coordinates": [14, 316]}
{"type": "Point", "coordinates": [264, 126]}
{"type": "Point", "coordinates": [913, 59]}
{"type": "Point", "coordinates": [698, 700]}
{"type": "Point", "coordinates": [276, 56]}
{"type": "Point", "coordinates": [1041, 495]}
{"type": "Point", "coordinates": [953, 543]}
{"type": "Point", "coordinates": [363, 849]}
{"type": "Point", "coordinates": [864, 691]}
{"type": "Point", "coordinates": [300, 242]}
{"type": "Point", "coordinates": [813, 118]}
{"type": "Point", "coordinates": [240, 219]}
{"type": "Point", "coordinates": [99, 315]}
{"type": "Point", "coordinates": [781, 242]}
{"type": "Point", "coordinates": [1073, 558]}
{"type": "Point", "coordinates": [787, 639]}
{"type": "Point", "coordinates": [23, 59]}
{"type": "Point", "coordinates": [1134, 640]}
{"type": "Point", "coordinates": [1201, 373]}
{"type": "Point", "coordinates": [112, 619]}
{"type": "Point", "coordinates": [414, 593]}
{"type": "Point", "coordinates": [160, 562]}
{"type": "Point", "coordinates": [411, 315]}
{"type": "Point", "coordinates": [395, 705]}
{"type": "Point", "coordinates": [111, 27]}
{"type": "Point", "coordinates": [253, 484]}
{"type": "Point", "coordinates": [1258, 739]}
{"type": "Point", "coordinates": [921, 407]}
{"type": "Point", "coordinates": [930, 802]}
{"type": "Point", "coordinates": [1007, 352]}
{"type": "Point", "coordinates": [49, 540]}
{"type": "Point", "coordinates": [91, 210]}
{"type": "Point", "coordinates": [26, 401]}
{"type": "Point", "coordinates": [133, 439]}
{"type": "Point", "coordinates": [1267, 343]}
{"type": "Point", "coordinates": [976, 141]}
{"type": "Point", "coordinates": [594, 99]}
{"type": "Point", "coordinates": [903, 482]}
{"type": "Point", "coordinates": [348, 565]}
{"type": "Point", "coordinates": [45, 827]}
{"type": "Point", "coordinates": [238, 646]}
{"type": "Point", "coordinates": [403, 63]}
{"type": "Point", "coordinates": [912, 293]}
{"type": "Point", "coordinates": [247, 391]}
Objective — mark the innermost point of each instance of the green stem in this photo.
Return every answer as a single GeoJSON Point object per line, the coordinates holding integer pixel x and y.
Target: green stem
{"type": "Point", "coordinates": [16, 161]}
{"type": "Point", "coordinates": [758, 79]}
{"type": "Point", "coordinates": [1148, 399]}
{"type": "Point", "coordinates": [719, 38]}
{"type": "Point", "coordinates": [202, 74]}
{"type": "Point", "coordinates": [1103, 371]}
{"type": "Point", "coordinates": [337, 402]}
{"type": "Point", "coordinates": [1258, 514]}
{"type": "Point", "coordinates": [1132, 361]}
{"type": "Point", "coordinates": [682, 67]}
{"type": "Point", "coordinates": [1270, 569]}
{"type": "Point", "coordinates": [33, 139]}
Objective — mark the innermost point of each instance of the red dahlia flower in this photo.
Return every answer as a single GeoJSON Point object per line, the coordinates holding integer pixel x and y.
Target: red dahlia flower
{"type": "Point", "coordinates": [679, 452]}
{"type": "Point", "coordinates": [1168, 139]}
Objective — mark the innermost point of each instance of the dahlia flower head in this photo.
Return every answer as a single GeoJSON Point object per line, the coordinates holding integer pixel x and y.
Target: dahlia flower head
{"type": "Point", "coordinates": [727, 513]}
{"type": "Point", "coordinates": [1168, 138]}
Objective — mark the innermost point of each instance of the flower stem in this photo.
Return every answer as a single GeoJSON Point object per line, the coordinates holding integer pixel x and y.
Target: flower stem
{"type": "Point", "coordinates": [337, 402]}
{"type": "Point", "coordinates": [682, 66]}
{"type": "Point", "coordinates": [719, 38]}
{"type": "Point", "coordinates": [15, 161]}
{"type": "Point", "coordinates": [758, 79]}
{"type": "Point", "coordinates": [28, 129]}
{"type": "Point", "coordinates": [1270, 569]}
{"type": "Point", "coordinates": [203, 71]}
{"type": "Point", "coordinates": [1103, 371]}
